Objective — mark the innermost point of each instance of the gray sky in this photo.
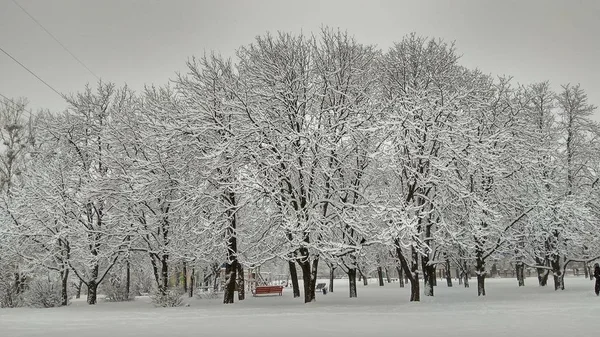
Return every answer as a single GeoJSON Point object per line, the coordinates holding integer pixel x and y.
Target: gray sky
{"type": "Point", "coordinates": [144, 42]}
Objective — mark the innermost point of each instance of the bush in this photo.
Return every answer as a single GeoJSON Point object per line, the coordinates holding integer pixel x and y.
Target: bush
{"type": "Point", "coordinates": [43, 293]}
{"type": "Point", "coordinates": [116, 290]}
{"type": "Point", "coordinates": [10, 296]}
{"type": "Point", "coordinates": [172, 298]}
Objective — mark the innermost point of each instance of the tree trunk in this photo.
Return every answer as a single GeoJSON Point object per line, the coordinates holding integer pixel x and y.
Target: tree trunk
{"type": "Point", "coordinates": [481, 284]}
{"type": "Point", "coordinates": [542, 274]}
{"type": "Point", "coordinates": [307, 275]}
{"type": "Point", "coordinates": [240, 283]}
{"type": "Point", "coordinates": [557, 273]}
{"type": "Point", "coordinates": [466, 275]}
{"type": "Point", "coordinates": [520, 270]}
{"type": "Point", "coordinates": [127, 279]}
{"type": "Point", "coordinates": [585, 270]}
{"type": "Point", "coordinates": [185, 274]}
{"type": "Point", "coordinates": [448, 274]}
{"type": "Point", "coordinates": [192, 282]}
{"type": "Point", "coordinates": [64, 295]}
{"type": "Point", "coordinates": [380, 276]}
{"type": "Point", "coordinates": [78, 293]}
{"type": "Point", "coordinates": [230, 279]}
{"type": "Point", "coordinates": [480, 270]}
{"type": "Point", "coordinates": [459, 276]}
{"type": "Point", "coordinates": [364, 278]}
{"type": "Point", "coordinates": [331, 277]}
{"type": "Point", "coordinates": [92, 292]}
{"type": "Point", "coordinates": [412, 271]}
{"type": "Point", "coordinates": [387, 275]}
{"type": "Point", "coordinates": [232, 262]}
{"type": "Point", "coordinates": [400, 276]}
{"type": "Point", "coordinates": [428, 276]}
{"type": "Point", "coordinates": [294, 277]}
{"type": "Point", "coordinates": [352, 282]}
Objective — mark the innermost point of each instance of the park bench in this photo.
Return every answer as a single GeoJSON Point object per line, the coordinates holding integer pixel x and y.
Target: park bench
{"type": "Point", "coordinates": [321, 287]}
{"type": "Point", "coordinates": [262, 290]}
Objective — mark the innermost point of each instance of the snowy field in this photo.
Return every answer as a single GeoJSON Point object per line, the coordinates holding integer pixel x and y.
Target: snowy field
{"type": "Point", "coordinates": [378, 311]}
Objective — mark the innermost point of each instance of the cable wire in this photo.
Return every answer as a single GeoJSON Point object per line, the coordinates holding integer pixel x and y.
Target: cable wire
{"type": "Point", "coordinates": [32, 73]}
{"type": "Point", "coordinates": [57, 41]}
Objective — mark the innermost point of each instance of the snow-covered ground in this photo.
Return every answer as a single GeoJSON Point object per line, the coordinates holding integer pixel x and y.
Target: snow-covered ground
{"type": "Point", "coordinates": [378, 311]}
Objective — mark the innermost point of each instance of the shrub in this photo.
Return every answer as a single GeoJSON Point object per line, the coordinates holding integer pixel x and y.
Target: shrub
{"type": "Point", "coordinates": [43, 293]}
{"type": "Point", "coordinates": [171, 298]}
{"type": "Point", "coordinates": [116, 290]}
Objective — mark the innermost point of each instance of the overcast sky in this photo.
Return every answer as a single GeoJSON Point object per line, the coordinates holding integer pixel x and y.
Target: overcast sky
{"type": "Point", "coordinates": [144, 42]}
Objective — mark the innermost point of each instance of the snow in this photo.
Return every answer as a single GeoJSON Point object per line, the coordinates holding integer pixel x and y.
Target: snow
{"type": "Point", "coordinates": [378, 311]}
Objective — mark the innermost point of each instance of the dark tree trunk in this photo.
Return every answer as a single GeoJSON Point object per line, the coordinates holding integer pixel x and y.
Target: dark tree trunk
{"type": "Point", "coordinates": [380, 276]}
{"type": "Point", "coordinates": [92, 292]}
{"type": "Point", "coordinates": [294, 277]}
{"type": "Point", "coordinates": [331, 277]}
{"type": "Point", "coordinates": [412, 271]}
{"type": "Point", "coordinates": [164, 274]}
{"type": "Point", "coordinates": [309, 290]}
{"type": "Point", "coordinates": [466, 276]}
{"type": "Point", "coordinates": [428, 276]}
{"type": "Point", "coordinates": [557, 273]}
{"type": "Point", "coordinates": [92, 286]}
{"type": "Point", "coordinates": [232, 261]}
{"type": "Point", "coordinates": [481, 284]}
{"type": "Point", "coordinates": [448, 274]}
{"type": "Point", "coordinates": [352, 282]}
{"type": "Point", "coordinates": [230, 278]}
{"type": "Point", "coordinates": [459, 276]}
{"type": "Point", "coordinates": [241, 285]}
{"type": "Point", "coordinates": [387, 275]}
{"type": "Point", "coordinates": [64, 294]}
{"type": "Point", "coordinates": [400, 276]}
{"type": "Point", "coordinates": [520, 270]}
{"type": "Point", "coordinates": [127, 279]}
{"type": "Point", "coordinates": [185, 274]}
{"type": "Point", "coordinates": [434, 276]}
{"type": "Point", "coordinates": [480, 270]}
{"type": "Point", "coordinates": [192, 282]}
{"type": "Point", "coordinates": [542, 274]}
{"type": "Point", "coordinates": [364, 278]}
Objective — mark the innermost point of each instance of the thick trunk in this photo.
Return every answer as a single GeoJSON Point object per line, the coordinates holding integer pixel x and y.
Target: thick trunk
{"type": "Point", "coordinates": [387, 275]}
{"type": "Point", "coordinates": [520, 270]}
{"type": "Point", "coordinates": [64, 295]}
{"type": "Point", "coordinates": [481, 284]}
{"type": "Point", "coordinates": [92, 292]}
{"type": "Point", "coordinates": [557, 273]}
{"type": "Point", "coordinates": [185, 274]}
{"type": "Point", "coordinates": [240, 283]}
{"type": "Point", "coordinates": [466, 276]}
{"type": "Point", "coordinates": [230, 278]}
{"type": "Point", "coordinates": [380, 276]}
{"type": "Point", "coordinates": [480, 270]}
{"type": "Point", "coordinates": [428, 276]}
{"type": "Point", "coordinates": [294, 277]}
{"type": "Point", "coordinates": [412, 272]}
{"type": "Point", "coordinates": [448, 274]}
{"type": "Point", "coordinates": [400, 276]}
{"type": "Point", "coordinates": [459, 276]}
{"type": "Point", "coordinates": [352, 282]}
{"type": "Point", "coordinates": [542, 274]}
{"type": "Point", "coordinates": [92, 286]}
{"type": "Point", "coordinates": [192, 282]}
{"type": "Point", "coordinates": [331, 277]}
{"type": "Point", "coordinates": [585, 270]}
{"type": "Point", "coordinates": [164, 275]}
{"type": "Point", "coordinates": [309, 290]}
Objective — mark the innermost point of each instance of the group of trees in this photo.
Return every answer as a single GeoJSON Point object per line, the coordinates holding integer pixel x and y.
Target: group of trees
{"type": "Point", "coordinates": [310, 149]}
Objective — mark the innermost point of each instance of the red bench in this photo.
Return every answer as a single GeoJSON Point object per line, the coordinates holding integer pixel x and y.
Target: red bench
{"type": "Point", "coordinates": [262, 290]}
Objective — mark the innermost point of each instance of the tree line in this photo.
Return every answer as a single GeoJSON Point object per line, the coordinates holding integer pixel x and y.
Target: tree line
{"type": "Point", "coordinates": [305, 148]}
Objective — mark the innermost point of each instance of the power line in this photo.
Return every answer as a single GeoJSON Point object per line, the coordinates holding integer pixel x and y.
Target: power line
{"type": "Point", "coordinates": [57, 41]}
{"type": "Point", "coordinates": [32, 73]}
